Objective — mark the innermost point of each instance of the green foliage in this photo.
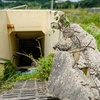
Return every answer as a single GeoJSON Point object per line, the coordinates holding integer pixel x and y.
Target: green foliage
{"type": "Point", "coordinates": [26, 77]}
{"type": "Point", "coordinates": [56, 18]}
{"type": "Point", "coordinates": [54, 25]}
{"type": "Point", "coordinates": [42, 72]}
{"type": "Point", "coordinates": [97, 37]}
{"type": "Point", "coordinates": [7, 86]}
{"type": "Point", "coordinates": [89, 21]}
{"type": "Point", "coordinates": [44, 67]}
{"type": "Point", "coordinates": [83, 16]}
{"type": "Point", "coordinates": [9, 70]}
{"type": "Point", "coordinates": [31, 5]}
{"type": "Point", "coordinates": [93, 30]}
{"type": "Point", "coordinates": [1, 70]}
{"type": "Point", "coordinates": [61, 22]}
{"type": "Point", "coordinates": [90, 3]}
{"type": "Point", "coordinates": [8, 73]}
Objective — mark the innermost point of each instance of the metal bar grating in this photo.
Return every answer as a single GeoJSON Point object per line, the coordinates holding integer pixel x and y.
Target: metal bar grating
{"type": "Point", "coordinates": [27, 90]}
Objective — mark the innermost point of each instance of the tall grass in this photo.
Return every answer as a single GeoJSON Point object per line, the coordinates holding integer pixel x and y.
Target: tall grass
{"type": "Point", "coordinates": [9, 75]}
{"type": "Point", "coordinates": [83, 16]}
{"type": "Point", "coordinates": [90, 21]}
{"type": "Point", "coordinates": [1, 70]}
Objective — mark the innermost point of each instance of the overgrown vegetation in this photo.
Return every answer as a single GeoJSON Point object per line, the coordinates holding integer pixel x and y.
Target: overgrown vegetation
{"type": "Point", "coordinates": [1, 70]}
{"type": "Point", "coordinates": [90, 21]}
{"type": "Point", "coordinates": [44, 67]}
{"type": "Point", "coordinates": [9, 70]}
{"type": "Point", "coordinates": [9, 75]}
{"type": "Point", "coordinates": [83, 16]}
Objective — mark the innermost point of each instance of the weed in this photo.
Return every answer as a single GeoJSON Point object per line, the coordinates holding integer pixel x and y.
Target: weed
{"type": "Point", "coordinates": [25, 77]}
{"type": "Point", "coordinates": [83, 16]}
{"type": "Point", "coordinates": [89, 21]}
{"type": "Point", "coordinates": [42, 72]}
{"type": "Point", "coordinates": [1, 70]}
{"type": "Point", "coordinates": [9, 70]}
{"type": "Point", "coordinates": [44, 67]}
{"type": "Point", "coordinates": [97, 37]}
{"type": "Point", "coordinates": [7, 86]}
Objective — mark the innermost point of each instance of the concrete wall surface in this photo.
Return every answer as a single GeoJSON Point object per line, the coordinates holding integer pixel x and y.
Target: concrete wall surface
{"type": "Point", "coordinates": [26, 24]}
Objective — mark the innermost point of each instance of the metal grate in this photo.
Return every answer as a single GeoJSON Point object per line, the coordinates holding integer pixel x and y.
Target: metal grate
{"type": "Point", "coordinates": [28, 90]}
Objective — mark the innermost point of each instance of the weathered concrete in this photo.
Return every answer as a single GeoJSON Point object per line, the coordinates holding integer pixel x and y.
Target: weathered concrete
{"type": "Point", "coordinates": [26, 24]}
{"type": "Point", "coordinates": [68, 80]}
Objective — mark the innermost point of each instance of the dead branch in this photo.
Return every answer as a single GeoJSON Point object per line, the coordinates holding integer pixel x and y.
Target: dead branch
{"type": "Point", "coordinates": [76, 50]}
{"type": "Point", "coordinates": [39, 45]}
{"type": "Point", "coordinates": [81, 48]}
{"type": "Point", "coordinates": [34, 62]}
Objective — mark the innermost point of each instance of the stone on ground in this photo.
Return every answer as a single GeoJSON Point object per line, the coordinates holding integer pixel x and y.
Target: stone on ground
{"type": "Point", "coordinates": [76, 52]}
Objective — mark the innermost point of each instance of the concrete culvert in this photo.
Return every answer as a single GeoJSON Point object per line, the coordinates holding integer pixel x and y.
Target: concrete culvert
{"type": "Point", "coordinates": [19, 31]}
{"type": "Point", "coordinates": [28, 43]}
{"type": "Point", "coordinates": [29, 46]}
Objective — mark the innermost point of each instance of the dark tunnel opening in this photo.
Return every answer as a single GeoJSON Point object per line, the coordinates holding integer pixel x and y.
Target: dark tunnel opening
{"type": "Point", "coordinates": [28, 46]}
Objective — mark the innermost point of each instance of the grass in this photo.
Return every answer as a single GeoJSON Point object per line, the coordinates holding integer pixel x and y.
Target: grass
{"type": "Point", "coordinates": [8, 78]}
{"type": "Point", "coordinates": [90, 21]}
{"type": "Point", "coordinates": [1, 70]}
{"type": "Point", "coordinates": [83, 16]}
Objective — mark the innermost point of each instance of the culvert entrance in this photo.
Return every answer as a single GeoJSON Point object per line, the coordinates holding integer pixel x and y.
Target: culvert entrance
{"type": "Point", "coordinates": [28, 46]}
{"type": "Point", "coordinates": [29, 43]}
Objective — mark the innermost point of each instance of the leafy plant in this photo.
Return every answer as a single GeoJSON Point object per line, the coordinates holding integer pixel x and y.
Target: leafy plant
{"type": "Point", "coordinates": [89, 21]}
{"type": "Point", "coordinates": [9, 69]}
{"type": "Point", "coordinates": [26, 77]}
{"type": "Point", "coordinates": [91, 28]}
{"type": "Point", "coordinates": [42, 72]}
{"type": "Point", "coordinates": [97, 37]}
{"type": "Point", "coordinates": [44, 67]}
{"type": "Point", "coordinates": [1, 70]}
{"type": "Point", "coordinates": [83, 16]}
{"type": "Point", "coordinates": [8, 73]}
{"type": "Point", "coordinates": [61, 22]}
{"type": "Point", "coordinates": [7, 86]}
